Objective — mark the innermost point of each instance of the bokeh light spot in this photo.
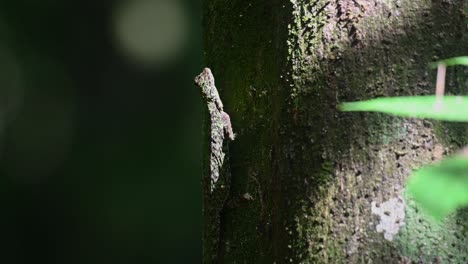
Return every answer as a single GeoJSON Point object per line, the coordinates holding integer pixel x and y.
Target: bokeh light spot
{"type": "Point", "coordinates": [150, 31]}
{"type": "Point", "coordinates": [39, 138]}
{"type": "Point", "coordinates": [11, 91]}
{"type": "Point", "coordinates": [10, 83]}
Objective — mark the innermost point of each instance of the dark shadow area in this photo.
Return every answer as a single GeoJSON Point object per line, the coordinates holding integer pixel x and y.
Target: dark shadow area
{"type": "Point", "coordinates": [100, 153]}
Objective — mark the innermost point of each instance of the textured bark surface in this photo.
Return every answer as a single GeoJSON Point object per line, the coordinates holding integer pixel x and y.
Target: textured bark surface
{"type": "Point", "coordinates": [325, 186]}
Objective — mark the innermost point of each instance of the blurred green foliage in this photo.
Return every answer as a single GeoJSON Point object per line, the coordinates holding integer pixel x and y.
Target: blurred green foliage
{"type": "Point", "coordinates": [450, 108]}
{"type": "Point", "coordinates": [441, 188]}
{"type": "Point", "coordinates": [463, 60]}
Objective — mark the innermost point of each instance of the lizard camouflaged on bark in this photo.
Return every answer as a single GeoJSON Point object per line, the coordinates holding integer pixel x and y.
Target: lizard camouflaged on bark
{"type": "Point", "coordinates": [220, 123]}
{"type": "Point", "coordinates": [216, 178]}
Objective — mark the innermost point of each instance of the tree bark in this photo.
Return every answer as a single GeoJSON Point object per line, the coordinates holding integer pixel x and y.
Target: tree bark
{"type": "Point", "coordinates": [326, 186]}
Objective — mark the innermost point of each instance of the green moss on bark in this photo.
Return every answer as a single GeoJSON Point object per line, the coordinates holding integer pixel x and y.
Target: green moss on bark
{"type": "Point", "coordinates": [312, 171]}
{"type": "Point", "coordinates": [246, 50]}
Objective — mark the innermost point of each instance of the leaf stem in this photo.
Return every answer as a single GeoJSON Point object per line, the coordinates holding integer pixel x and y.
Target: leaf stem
{"type": "Point", "coordinates": [440, 85]}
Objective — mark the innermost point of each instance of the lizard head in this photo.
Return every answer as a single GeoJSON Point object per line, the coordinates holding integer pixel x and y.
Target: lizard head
{"type": "Point", "coordinates": [205, 78]}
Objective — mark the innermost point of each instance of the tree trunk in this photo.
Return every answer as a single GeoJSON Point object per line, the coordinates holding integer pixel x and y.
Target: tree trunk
{"type": "Point", "coordinates": [325, 186]}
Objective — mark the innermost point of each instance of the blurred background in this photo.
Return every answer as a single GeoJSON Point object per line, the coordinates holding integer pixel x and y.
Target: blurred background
{"type": "Point", "coordinates": [100, 131]}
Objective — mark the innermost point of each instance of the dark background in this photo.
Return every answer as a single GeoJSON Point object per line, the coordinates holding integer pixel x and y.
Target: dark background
{"type": "Point", "coordinates": [100, 150]}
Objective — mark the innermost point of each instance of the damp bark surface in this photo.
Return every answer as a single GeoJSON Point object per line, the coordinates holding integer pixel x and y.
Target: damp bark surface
{"type": "Point", "coordinates": [310, 184]}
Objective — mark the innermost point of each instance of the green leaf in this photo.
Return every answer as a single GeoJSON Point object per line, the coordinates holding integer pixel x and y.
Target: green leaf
{"type": "Point", "coordinates": [450, 108]}
{"type": "Point", "coordinates": [441, 188]}
{"type": "Point", "coordinates": [452, 62]}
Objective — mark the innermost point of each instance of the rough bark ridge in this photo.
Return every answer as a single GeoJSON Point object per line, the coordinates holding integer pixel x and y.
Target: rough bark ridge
{"type": "Point", "coordinates": [327, 187]}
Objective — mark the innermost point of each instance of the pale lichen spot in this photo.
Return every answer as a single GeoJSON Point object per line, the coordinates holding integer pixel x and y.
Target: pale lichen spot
{"type": "Point", "coordinates": [392, 216]}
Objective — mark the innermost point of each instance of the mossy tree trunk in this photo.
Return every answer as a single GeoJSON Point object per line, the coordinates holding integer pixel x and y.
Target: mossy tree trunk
{"type": "Point", "coordinates": [314, 185]}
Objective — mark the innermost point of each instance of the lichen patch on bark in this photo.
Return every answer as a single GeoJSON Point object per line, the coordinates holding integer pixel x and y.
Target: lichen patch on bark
{"type": "Point", "coordinates": [392, 216]}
